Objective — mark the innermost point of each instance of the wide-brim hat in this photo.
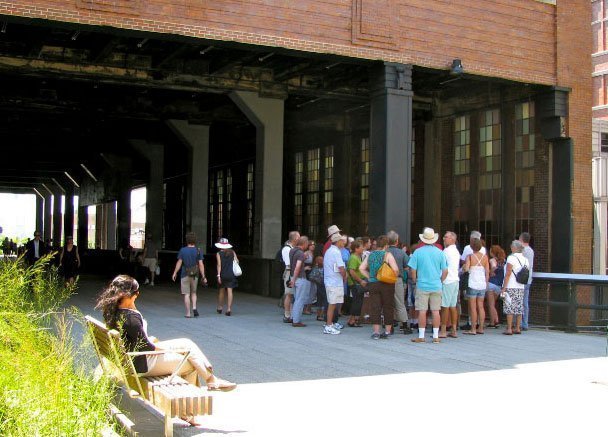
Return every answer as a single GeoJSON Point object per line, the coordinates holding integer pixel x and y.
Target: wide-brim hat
{"type": "Point", "coordinates": [333, 229]}
{"type": "Point", "coordinates": [336, 237]}
{"type": "Point", "coordinates": [223, 244]}
{"type": "Point", "coordinates": [428, 236]}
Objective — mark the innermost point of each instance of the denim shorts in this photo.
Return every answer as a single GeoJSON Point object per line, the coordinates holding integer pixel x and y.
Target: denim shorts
{"type": "Point", "coordinates": [493, 288]}
{"type": "Point", "coordinates": [471, 292]}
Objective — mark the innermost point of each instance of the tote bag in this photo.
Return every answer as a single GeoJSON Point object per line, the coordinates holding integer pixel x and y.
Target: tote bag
{"type": "Point", "coordinates": [385, 273]}
{"type": "Point", "coordinates": [236, 268]}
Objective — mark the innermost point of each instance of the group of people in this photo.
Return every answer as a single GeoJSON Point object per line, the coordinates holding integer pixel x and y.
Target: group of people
{"type": "Point", "coordinates": [68, 261]}
{"type": "Point", "coordinates": [352, 278]}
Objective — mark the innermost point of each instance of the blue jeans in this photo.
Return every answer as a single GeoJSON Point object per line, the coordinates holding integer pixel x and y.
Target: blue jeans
{"type": "Point", "coordinates": [301, 296]}
{"type": "Point", "coordinates": [524, 319]}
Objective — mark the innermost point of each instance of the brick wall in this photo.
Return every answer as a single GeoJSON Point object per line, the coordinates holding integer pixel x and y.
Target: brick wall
{"type": "Point", "coordinates": [574, 45]}
{"type": "Point", "coordinates": [513, 39]}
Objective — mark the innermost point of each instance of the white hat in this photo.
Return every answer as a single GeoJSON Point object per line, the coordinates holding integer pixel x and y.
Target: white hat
{"type": "Point", "coordinates": [223, 244]}
{"type": "Point", "coordinates": [428, 236]}
{"type": "Point", "coordinates": [336, 237]}
{"type": "Point", "coordinates": [333, 229]}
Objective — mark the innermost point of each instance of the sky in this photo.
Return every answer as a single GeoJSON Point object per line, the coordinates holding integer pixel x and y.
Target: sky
{"type": "Point", "coordinates": [17, 215]}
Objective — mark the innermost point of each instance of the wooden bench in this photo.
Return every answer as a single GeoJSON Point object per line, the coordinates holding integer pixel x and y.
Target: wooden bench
{"type": "Point", "coordinates": [170, 396]}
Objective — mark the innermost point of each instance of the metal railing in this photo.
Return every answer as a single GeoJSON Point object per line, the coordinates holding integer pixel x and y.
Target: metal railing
{"type": "Point", "coordinates": [572, 302]}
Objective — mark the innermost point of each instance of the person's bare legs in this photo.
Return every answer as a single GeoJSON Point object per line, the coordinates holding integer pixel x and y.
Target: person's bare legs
{"type": "Point", "coordinates": [422, 319]}
{"type": "Point", "coordinates": [220, 299]}
{"type": "Point", "coordinates": [517, 323]}
{"type": "Point", "coordinates": [473, 314]}
{"type": "Point", "coordinates": [287, 305]}
{"type": "Point", "coordinates": [229, 299]}
{"type": "Point", "coordinates": [187, 304]}
{"type": "Point", "coordinates": [193, 296]}
{"type": "Point", "coordinates": [454, 319]}
{"type": "Point", "coordinates": [445, 313]}
{"type": "Point", "coordinates": [509, 329]}
{"type": "Point", "coordinates": [491, 298]}
{"type": "Point", "coordinates": [330, 314]}
{"type": "Point", "coordinates": [481, 314]}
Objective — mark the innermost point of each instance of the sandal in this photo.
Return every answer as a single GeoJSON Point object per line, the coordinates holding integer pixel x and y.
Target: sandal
{"type": "Point", "coordinates": [191, 420]}
{"type": "Point", "coordinates": [452, 335]}
{"type": "Point", "coordinates": [470, 333]}
{"type": "Point", "coordinates": [507, 333]}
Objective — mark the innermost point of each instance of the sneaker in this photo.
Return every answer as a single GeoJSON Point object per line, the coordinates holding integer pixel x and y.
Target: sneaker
{"type": "Point", "coordinates": [147, 282]}
{"type": "Point", "coordinates": [195, 312]}
{"type": "Point", "coordinates": [375, 336]}
{"type": "Point", "coordinates": [151, 284]}
{"type": "Point", "coordinates": [384, 335]}
{"type": "Point", "coordinates": [330, 330]}
{"type": "Point", "coordinates": [287, 319]}
{"type": "Point", "coordinates": [390, 333]}
{"type": "Point", "coordinates": [338, 325]}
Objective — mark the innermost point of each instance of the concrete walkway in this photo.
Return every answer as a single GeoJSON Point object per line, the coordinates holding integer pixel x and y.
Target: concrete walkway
{"type": "Point", "coordinates": [300, 382]}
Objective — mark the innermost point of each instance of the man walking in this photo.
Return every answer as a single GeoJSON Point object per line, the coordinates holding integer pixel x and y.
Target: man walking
{"type": "Point", "coordinates": [449, 294]}
{"type": "Point", "coordinates": [298, 282]}
{"type": "Point", "coordinates": [429, 269]}
{"type": "Point", "coordinates": [291, 243]}
{"type": "Point", "coordinates": [334, 275]}
{"type": "Point", "coordinates": [401, 259]}
{"type": "Point", "coordinates": [528, 252]}
{"type": "Point", "coordinates": [35, 249]}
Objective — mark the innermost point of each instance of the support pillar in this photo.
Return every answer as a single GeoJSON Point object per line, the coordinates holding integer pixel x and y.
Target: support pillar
{"type": "Point", "coordinates": [110, 226]}
{"type": "Point", "coordinates": [267, 115]}
{"type": "Point", "coordinates": [40, 214]}
{"type": "Point", "coordinates": [57, 219]}
{"type": "Point", "coordinates": [48, 217]}
{"type": "Point", "coordinates": [122, 167]}
{"type": "Point", "coordinates": [83, 225]}
{"type": "Point", "coordinates": [155, 154]}
{"type": "Point", "coordinates": [68, 214]}
{"type": "Point", "coordinates": [196, 138]}
{"type": "Point", "coordinates": [391, 149]}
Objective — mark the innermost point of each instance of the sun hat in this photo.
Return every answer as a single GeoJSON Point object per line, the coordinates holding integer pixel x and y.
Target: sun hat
{"type": "Point", "coordinates": [336, 237]}
{"type": "Point", "coordinates": [223, 244]}
{"type": "Point", "coordinates": [428, 236]}
{"type": "Point", "coordinates": [333, 229]}
{"type": "Point", "coordinates": [476, 234]}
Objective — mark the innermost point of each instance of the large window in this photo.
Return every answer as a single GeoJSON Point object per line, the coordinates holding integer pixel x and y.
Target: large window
{"type": "Point", "coordinates": [524, 167]}
{"type": "Point", "coordinates": [490, 176]}
{"type": "Point", "coordinates": [313, 201]}
{"type": "Point", "coordinates": [462, 176]}
{"type": "Point", "coordinates": [365, 167]}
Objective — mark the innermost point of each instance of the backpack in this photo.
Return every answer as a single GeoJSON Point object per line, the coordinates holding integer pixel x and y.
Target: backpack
{"type": "Point", "coordinates": [279, 265]}
{"type": "Point", "coordinates": [524, 273]}
{"type": "Point", "coordinates": [193, 271]}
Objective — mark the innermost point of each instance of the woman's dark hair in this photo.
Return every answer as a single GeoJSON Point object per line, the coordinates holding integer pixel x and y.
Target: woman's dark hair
{"type": "Point", "coordinates": [121, 286]}
{"type": "Point", "coordinates": [355, 245]}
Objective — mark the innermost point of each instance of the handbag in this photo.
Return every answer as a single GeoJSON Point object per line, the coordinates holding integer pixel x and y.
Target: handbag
{"type": "Point", "coordinates": [385, 273]}
{"type": "Point", "coordinates": [236, 268]}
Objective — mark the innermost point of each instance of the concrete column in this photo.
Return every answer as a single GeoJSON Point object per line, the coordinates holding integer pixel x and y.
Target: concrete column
{"type": "Point", "coordinates": [83, 224]}
{"type": "Point", "coordinates": [111, 226]}
{"type": "Point", "coordinates": [196, 138]}
{"type": "Point", "coordinates": [122, 167]}
{"type": "Point", "coordinates": [267, 115]}
{"type": "Point", "coordinates": [68, 214]}
{"type": "Point", "coordinates": [57, 218]}
{"type": "Point", "coordinates": [391, 149]}
{"type": "Point", "coordinates": [155, 154]}
{"type": "Point", "coordinates": [40, 214]}
{"type": "Point", "coordinates": [48, 216]}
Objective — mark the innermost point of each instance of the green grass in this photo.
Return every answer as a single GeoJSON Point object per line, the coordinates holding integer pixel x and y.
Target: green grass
{"type": "Point", "coordinates": [44, 389]}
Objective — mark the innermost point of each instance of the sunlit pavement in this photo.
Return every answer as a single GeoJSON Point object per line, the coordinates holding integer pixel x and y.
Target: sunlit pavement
{"type": "Point", "coordinates": [299, 382]}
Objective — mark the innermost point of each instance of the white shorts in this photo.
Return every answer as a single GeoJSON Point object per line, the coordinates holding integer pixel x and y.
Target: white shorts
{"type": "Point", "coordinates": [150, 263]}
{"type": "Point", "coordinates": [286, 276]}
{"type": "Point", "coordinates": [335, 295]}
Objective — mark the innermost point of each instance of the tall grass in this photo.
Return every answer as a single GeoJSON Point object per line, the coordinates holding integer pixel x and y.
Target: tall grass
{"type": "Point", "coordinates": [44, 389]}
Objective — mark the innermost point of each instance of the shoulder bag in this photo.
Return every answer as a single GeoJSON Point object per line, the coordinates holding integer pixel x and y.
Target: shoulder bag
{"type": "Point", "coordinates": [385, 273]}
{"type": "Point", "coordinates": [236, 268]}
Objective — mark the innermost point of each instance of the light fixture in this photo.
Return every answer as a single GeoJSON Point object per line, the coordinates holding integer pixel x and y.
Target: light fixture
{"type": "Point", "coordinates": [206, 50]}
{"type": "Point", "coordinates": [263, 58]}
{"type": "Point", "coordinates": [327, 67]}
{"type": "Point", "coordinates": [308, 102]}
{"type": "Point", "coordinates": [59, 185]}
{"type": "Point", "coordinates": [75, 35]}
{"type": "Point", "coordinates": [456, 69]}
{"type": "Point", "coordinates": [87, 171]}
{"type": "Point", "coordinates": [4, 25]}
{"type": "Point", "coordinates": [141, 43]}
{"type": "Point", "coordinates": [72, 179]}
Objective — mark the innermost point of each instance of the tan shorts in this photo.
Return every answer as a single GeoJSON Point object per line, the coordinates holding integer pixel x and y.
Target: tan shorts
{"type": "Point", "coordinates": [288, 290]}
{"type": "Point", "coordinates": [188, 284]}
{"type": "Point", "coordinates": [150, 263]}
{"type": "Point", "coordinates": [428, 300]}
{"type": "Point", "coordinates": [335, 295]}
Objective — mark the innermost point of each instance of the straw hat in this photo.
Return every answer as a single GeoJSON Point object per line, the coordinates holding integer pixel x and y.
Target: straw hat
{"type": "Point", "coordinates": [336, 237]}
{"type": "Point", "coordinates": [428, 236]}
{"type": "Point", "coordinates": [333, 229]}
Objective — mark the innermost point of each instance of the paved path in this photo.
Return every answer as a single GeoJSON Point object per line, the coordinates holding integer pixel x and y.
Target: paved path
{"type": "Point", "coordinates": [299, 382]}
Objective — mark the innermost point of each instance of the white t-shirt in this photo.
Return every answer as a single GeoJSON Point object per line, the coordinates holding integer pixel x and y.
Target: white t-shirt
{"type": "Point", "coordinates": [453, 257]}
{"type": "Point", "coordinates": [468, 251]}
{"type": "Point", "coordinates": [285, 255]}
{"type": "Point", "coordinates": [517, 261]}
{"type": "Point", "coordinates": [331, 267]}
{"type": "Point", "coordinates": [528, 252]}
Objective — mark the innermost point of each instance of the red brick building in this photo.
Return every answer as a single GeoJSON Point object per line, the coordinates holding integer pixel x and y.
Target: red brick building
{"type": "Point", "coordinates": [250, 118]}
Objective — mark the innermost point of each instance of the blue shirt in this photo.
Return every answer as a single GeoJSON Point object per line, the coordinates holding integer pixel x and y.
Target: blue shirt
{"type": "Point", "coordinates": [331, 267]}
{"type": "Point", "coordinates": [429, 263]}
{"type": "Point", "coordinates": [190, 256]}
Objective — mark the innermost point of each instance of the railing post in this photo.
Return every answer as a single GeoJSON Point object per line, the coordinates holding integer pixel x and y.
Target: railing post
{"type": "Point", "coordinates": [572, 307]}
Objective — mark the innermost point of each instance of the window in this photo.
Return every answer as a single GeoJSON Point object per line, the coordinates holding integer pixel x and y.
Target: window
{"type": "Point", "coordinates": [365, 167]}
{"type": "Point", "coordinates": [212, 218]}
{"type": "Point", "coordinates": [524, 167]}
{"type": "Point", "coordinates": [219, 185]}
{"type": "Point", "coordinates": [298, 189]}
{"type": "Point", "coordinates": [328, 186]}
{"type": "Point", "coordinates": [462, 177]}
{"type": "Point", "coordinates": [250, 197]}
{"type": "Point", "coordinates": [413, 167]}
{"type": "Point", "coordinates": [490, 176]}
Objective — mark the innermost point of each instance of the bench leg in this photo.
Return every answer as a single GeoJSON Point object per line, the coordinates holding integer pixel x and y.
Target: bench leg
{"type": "Point", "coordinates": [168, 426]}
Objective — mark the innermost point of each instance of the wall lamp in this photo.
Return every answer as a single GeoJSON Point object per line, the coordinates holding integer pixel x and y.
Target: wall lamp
{"type": "Point", "coordinates": [456, 69]}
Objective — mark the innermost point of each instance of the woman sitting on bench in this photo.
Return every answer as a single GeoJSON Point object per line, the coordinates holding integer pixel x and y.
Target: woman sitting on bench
{"type": "Point", "coordinates": [117, 303]}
